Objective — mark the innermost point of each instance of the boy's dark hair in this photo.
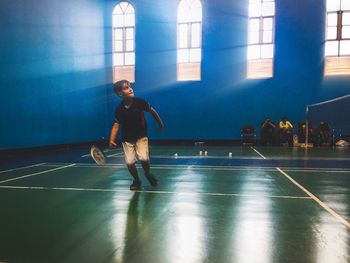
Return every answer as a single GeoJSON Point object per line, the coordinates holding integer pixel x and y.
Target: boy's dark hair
{"type": "Point", "coordinates": [118, 86]}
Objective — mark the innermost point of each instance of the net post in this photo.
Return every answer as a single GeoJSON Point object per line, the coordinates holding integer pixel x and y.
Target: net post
{"type": "Point", "coordinates": [307, 126]}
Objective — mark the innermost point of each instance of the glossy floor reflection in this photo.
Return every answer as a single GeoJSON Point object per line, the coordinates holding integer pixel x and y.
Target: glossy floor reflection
{"type": "Point", "coordinates": [202, 211]}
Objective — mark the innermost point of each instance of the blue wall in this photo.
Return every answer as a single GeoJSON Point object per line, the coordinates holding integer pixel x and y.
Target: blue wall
{"type": "Point", "coordinates": [55, 64]}
{"type": "Point", "coordinates": [218, 105]}
{"type": "Point", "coordinates": [53, 72]}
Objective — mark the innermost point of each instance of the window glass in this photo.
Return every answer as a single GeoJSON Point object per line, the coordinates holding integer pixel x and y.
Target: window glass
{"type": "Point", "coordinates": [346, 18]}
{"type": "Point", "coordinates": [195, 55]}
{"type": "Point", "coordinates": [337, 46]}
{"type": "Point", "coordinates": [254, 24]}
{"type": "Point", "coordinates": [344, 48]}
{"type": "Point", "coordinates": [129, 45]}
{"type": "Point", "coordinates": [332, 32]}
{"type": "Point", "coordinates": [267, 37]}
{"type": "Point", "coordinates": [266, 51]}
{"type": "Point", "coordinates": [124, 6]}
{"type": "Point", "coordinates": [118, 20]}
{"type": "Point", "coordinates": [254, 52]}
{"type": "Point", "coordinates": [130, 58]}
{"type": "Point", "coordinates": [267, 23]}
{"type": "Point", "coordinates": [333, 5]}
{"type": "Point", "coordinates": [345, 32]}
{"type": "Point", "coordinates": [189, 11]}
{"type": "Point", "coordinates": [189, 37]}
{"type": "Point", "coordinates": [268, 9]}
{"type": "Point", "coordinates": [183, 36]}
{"type": "Point", "coordinates": [130, 33]}
{"type": "Point", "coordinates": [118, 34]}
{"type": "Point", "coordinates": [261, 28]}
{"type": "Point", "coordinates": [183, 55]}
{"type": "Point", "coordinates": [118, 59]}
{"type": "Point", "coordinates": [331, 48]}
{"type": "Point", "coordinates": [345, 5]}
{"type": "Point", "coordinates": [332, 19]}
{"type": "Point", "coordinates": [118, 46]}
{"type": "Point", "coordinates": [118, 10]}
{"type": "Point", "coordinates": [254, 37]}
{"type": "Point", "coordinates": [129, 20]}
{"type": "Point", "coordinates": [255, 9]}
{"type": "Point", "coordinates": [123, 26]}
{"type": "Point", "coordinates": [196, 34]}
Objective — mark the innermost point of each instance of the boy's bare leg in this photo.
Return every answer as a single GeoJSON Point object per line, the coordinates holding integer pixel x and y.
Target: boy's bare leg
{"type": "Point", "coordinates": [146, 167]}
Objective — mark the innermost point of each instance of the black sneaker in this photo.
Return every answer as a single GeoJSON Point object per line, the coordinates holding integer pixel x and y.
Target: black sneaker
{"type": "Point", "coordinates": [152, 180]}
{"type": "Point", "coordinates": [135, 186]}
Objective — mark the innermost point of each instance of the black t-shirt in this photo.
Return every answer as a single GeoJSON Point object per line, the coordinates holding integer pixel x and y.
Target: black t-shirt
{"type": "Point", "coordinates": [132, 120]}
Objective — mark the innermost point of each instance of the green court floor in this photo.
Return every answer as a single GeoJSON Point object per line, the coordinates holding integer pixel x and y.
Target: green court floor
{"type": "Point", "coordinates": [260, 205]}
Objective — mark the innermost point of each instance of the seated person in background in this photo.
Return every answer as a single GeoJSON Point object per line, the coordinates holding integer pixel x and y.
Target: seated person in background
{"type": "Point", "coordinates": [268, 131]}
{"type": "Point", "coordinates": [302, 132]}
{"type": "Point", "coordinates": [324, 133]}
{"type": "Point", "coordinates": [310, 130]}
{"type": "Point", "coordinates": [285, 131]}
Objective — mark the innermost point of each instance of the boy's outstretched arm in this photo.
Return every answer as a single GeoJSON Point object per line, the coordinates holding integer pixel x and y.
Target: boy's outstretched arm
{"type": "Point", "coordinates": [155, 115]}
{"type": "Point", "coordinates": [113, 135]}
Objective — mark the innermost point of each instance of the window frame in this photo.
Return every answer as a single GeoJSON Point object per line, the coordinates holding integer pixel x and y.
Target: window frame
{"type": "Point", "coordinates": [126, 69]}
{"type": "Point", "coordinates": [124, 42]}
{"type": "Point", "coordinates": [335, 61]}
{"type": "Point", "coordinates": [259, 65]}
{"type": "Point", "coordinates": [339, 28]}
{"type": "Point", "coordinates": [189, 64]}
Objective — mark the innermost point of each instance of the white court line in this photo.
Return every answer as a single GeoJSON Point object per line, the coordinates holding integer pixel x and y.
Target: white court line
{"type": "Point", "coordinates": [204, 157]}
{"type": "Point", "coordinates": [147, 191]}
{"type": "Point", "coordinates": [297, 158]}
{"type": "Point", "coordinates": [258, 152]}
{"type": "Point", "coordinates": [236, 157]}
{"type": "Point", "coordinates": [212, 167]}
{"type": "Point", "coordinates": [177, 167]}
{"type": "Point", "coordinates": [29, 175]}
{"type": "Point", "coordinates": [115, 154]}
{"type": "Point", "coordinates": [24, 167]}
{"type": "Point", "coordinates": [317, 170]}
{"type": "Point", "coordinates": [316, 199]}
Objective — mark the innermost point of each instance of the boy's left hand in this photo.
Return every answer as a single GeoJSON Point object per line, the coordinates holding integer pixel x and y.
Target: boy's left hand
{"type": "Point", "coordinates": [112, 144]}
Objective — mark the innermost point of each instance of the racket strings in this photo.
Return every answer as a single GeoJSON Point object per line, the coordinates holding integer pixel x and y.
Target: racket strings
{"type": "Point", "coordinates": [98, 156]}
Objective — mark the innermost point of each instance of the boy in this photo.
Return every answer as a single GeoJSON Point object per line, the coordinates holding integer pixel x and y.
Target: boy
{"type": "Point", "coordinates": [130, 115]}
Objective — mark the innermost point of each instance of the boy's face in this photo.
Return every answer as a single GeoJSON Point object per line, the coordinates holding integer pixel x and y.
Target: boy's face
{"type": "Point", "coordinates": [126, 91]}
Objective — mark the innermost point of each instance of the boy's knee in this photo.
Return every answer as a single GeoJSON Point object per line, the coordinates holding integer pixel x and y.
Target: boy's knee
{"type": "Point", "coordinates": [144, 158]}
{"type": "Point", "coordinates": [130, 163]}
{"type": "Point", "coordinates": [130, 159]}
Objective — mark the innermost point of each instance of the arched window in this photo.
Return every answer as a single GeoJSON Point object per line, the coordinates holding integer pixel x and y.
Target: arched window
{"type": "Point", "coordinates": [123, 24]}
{"type": "Point", "coordinates": [189, 40]}
{"type": "Point", "coordinates": [337, 48]}
{"type": "Point", "coordinates": [261, 38]}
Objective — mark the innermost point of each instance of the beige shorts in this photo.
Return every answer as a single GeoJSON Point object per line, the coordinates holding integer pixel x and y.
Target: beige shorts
{"type": "Point", "coordinates": [136, 150]}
